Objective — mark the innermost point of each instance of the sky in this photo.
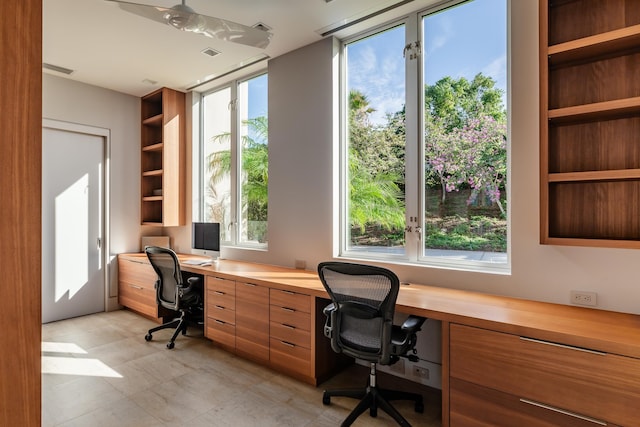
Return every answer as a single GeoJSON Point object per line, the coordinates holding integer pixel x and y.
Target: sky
{"type": "Point", "coordinates": [458, 42]}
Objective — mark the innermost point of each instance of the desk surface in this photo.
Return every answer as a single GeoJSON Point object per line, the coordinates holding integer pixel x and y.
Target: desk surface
{"type": "Point", "coordinates": [602, 330]}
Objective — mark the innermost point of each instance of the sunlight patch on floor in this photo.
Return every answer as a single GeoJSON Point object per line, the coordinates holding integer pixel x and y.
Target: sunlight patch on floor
{"type": "Point", "coordinates": [70, 365]}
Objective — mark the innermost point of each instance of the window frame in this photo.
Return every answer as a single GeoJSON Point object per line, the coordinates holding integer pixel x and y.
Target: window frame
{"type": "Point", "coordinates": [236, 162]}
{"type": "Point", "coordinates": [414, 253]}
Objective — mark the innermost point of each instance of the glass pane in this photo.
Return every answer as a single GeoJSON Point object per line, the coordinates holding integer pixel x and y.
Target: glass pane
{"type": "Point", "coordinates": [254, 155]}
{"type": "Point", "coordinates": [465, 132]}
{"type": "Point", "coordinates": [376, 143]}
{"type": "Point", "coordinates": [217, 160]}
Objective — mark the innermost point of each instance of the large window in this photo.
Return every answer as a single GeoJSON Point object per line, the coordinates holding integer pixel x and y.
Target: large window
{"type": "Point", "coordinates": [425, 170]}
{"type": "Point", "coordinates": [235, 161]}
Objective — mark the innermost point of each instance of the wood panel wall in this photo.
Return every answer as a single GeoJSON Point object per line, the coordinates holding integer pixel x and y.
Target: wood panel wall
{"type": "Point", "coordinates": [20, 211]}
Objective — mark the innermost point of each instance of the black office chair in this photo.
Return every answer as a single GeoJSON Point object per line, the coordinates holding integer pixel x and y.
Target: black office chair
{"type": "Point", "coordinates": [360, 324]}
{"type": "Point", "coordinates": [173, 295]}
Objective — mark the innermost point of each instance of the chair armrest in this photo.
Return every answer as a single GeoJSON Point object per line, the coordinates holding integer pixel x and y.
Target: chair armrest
{"type": "Point", "coordinates": [328, 309]}
{"type": "Point", "coordinates": [328, 312]}
{"type": "Point", "coordinates": [413, 324]}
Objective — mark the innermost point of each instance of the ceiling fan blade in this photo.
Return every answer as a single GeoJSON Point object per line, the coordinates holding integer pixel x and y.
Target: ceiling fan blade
{"type": "Point", "coordinates": [151, 12]}
{"type": "Point", "coordinates": [234, 32]}
{"type": "Point", "coordinates": [184, 18]}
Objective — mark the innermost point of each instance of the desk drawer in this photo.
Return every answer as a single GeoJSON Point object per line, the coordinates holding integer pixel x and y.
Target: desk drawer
{"type": "Point", "coordinates": [223, 286]}
{"type": "Point", "coordinates": [220, 299]}
{"type": "Point", "coordinates": [138, 298]}
{"type": "Point", "coordinates": [222, 333]}
{"type": "Point", "coordinates": [472, 405]}
{"type": "Point", "coordinates": [292, 300]}
{"type": "Point", "coordinates": [291, 317]}
{"type": "Point", "coordinates": [577, 380]}
{"type": "Point", "coordinates": [289, 357]}
{"type": "Point", "coordinates": [291, 334]}
{"type": "Point", "coordinates": [138, 273]}
{"type": "Point", "coordinates": [218, 312]}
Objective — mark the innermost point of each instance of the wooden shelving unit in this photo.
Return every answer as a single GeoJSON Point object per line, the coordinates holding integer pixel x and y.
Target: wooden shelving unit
{"type": "Point", "coordinates": [590, 122]}
{"type": "Point", "coordinates": [163, 158]}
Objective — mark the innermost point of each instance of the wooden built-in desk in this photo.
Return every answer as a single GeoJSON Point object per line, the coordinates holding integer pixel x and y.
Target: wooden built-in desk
{"type": "Point", "coordinates": [506, 361]}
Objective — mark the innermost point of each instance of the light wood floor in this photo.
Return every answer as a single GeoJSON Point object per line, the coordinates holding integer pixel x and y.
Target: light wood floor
{"type": "Point", "coordinates": [99, 371]}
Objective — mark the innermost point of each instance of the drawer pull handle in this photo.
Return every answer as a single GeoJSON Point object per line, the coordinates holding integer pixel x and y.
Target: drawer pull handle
{"type": "Point", "coordinates": [570, 347]}
{"type": "Point", "coordinates": [218, 293]}
{"type": "Point", "coordinates": [288, 326]}
{"type": "Point", "coordinates": [249, 284]}
{"type": "Point", "coordinates": [220, 322]}
{"type": "Point", "coordinates": [563, 411]}
{"type": "Point", "coordinates": [136, 287]}
{"type": "Point", "coordinates": [219, 307]}
{"type": "Point", "coordinates": [288, 344]}
{"type": "Point", "coordinates": [287, 292]}
{"type": "Point", "coordinates": [290, 310]}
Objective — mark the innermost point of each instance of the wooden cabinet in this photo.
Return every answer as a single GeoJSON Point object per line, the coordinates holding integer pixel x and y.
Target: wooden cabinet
{"type": "Point", "coordinates": [163, 158]}
{"type": "Point", "coordinates": [136, 288]}
{"type": "Point", "coordinates": [252, 321]}
{"type": "Point", "coordinates": [220, 312]}
{"type": "Point", "coordinates": [548, 381]}
{"type": "Point", "coordinates": [290, 330]}
{"type": "Point", "coordinates": [590, 122]}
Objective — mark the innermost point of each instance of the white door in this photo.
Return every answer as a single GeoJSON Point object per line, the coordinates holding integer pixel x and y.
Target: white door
{"type": "Point", "coordinates": [73, 280]}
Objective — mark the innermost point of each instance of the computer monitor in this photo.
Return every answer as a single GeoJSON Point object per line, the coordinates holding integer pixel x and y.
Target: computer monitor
{"type": "Point", "coordinates": [205, 238]}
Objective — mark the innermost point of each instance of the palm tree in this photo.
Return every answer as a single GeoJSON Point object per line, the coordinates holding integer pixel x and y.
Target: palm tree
{"type": "Point", "coordinates": [255, 169]}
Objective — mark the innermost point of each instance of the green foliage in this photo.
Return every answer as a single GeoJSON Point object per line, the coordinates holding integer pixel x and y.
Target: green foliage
{"type": "Point", "coordinates": [478, 233]}
{"type": "Point", "coordinates": [255, 173]}
{"type": "Point", "coordinates": [376, 170]}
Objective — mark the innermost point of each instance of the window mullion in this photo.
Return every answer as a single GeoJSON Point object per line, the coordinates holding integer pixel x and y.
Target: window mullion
{"type": "Point", "coordinates": [412, 147]}
{"type": "Point", "coordinates": [235, 165]}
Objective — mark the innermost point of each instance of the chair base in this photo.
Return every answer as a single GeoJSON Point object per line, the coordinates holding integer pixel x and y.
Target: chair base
{"type": "Point", "coordinates": [373, 398]}
{"type": "Point", "coordinates": [180, 324]}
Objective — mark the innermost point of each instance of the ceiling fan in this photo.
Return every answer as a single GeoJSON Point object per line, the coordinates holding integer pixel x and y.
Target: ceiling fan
{"type": "Point", "coordinates": [184, 18]}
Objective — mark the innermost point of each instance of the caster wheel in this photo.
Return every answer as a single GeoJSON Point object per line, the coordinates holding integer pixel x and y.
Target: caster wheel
{"type": "Point", "coordinates": [148, 337]}
{"type": "Point", "coordinates": [326, 400]}
{"type": "Point", "coordinates": [373, 412]}
{"type": "Point", "coordinates": [170, 345]}
{"type": "Point", "coordinates": [419, 407]}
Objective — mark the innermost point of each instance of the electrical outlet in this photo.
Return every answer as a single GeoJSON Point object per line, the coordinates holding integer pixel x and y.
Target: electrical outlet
{"type": "Point", "coordinates": [584, 298]}
{"type": "Point", "coordinates": [300, 264]}
{"type": "Point", "coordinates": [420, 372]}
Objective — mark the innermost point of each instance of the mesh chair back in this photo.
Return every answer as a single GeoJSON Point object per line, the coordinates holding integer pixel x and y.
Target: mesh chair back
{"type": "Point", "coordinates": [364, 298]}
{"type": "Point", "coordinates": [165, 263]}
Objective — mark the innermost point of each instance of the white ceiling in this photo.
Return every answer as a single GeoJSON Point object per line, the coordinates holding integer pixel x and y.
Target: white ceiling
{"type": "Point", "coordinates": [111, 48]}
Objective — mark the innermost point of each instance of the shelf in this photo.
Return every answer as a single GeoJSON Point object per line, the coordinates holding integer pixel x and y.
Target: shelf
{"type": "Point", "coordinates": [596, 243]}
{"type": "Point", "coordinates": [153, 121]}
{"type": "Point", "coordinates": [604, 109]}
{"type": "Point", "coordinates": [152, 199]}
{"type": "Point", "coordinates": [153, 223]}
{"type": "Point", "coordinates": [590, 123]}
{"type": "Point", "coordinates": [593, 46]}
{"type": "Point", "coordinates": [595, 175]}
{"type": "Point", "coordinates": [153, 147]}
{"type": "Point", "coordinates": [156, 172]}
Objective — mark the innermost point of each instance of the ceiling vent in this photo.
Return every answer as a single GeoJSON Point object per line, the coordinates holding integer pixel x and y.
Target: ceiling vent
{"type": "Point", "coordinates": [262, 27]}
{"type": "Point", "coordinates": [57, 68]}
{"type": "Point", "coordinates": [210, 52]}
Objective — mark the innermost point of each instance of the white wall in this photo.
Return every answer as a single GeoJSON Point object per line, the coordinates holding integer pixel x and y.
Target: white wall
{"type": "Point", "coordinates": [301, 201]}
{"type": "Point", "coordinates": [74, 102]}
